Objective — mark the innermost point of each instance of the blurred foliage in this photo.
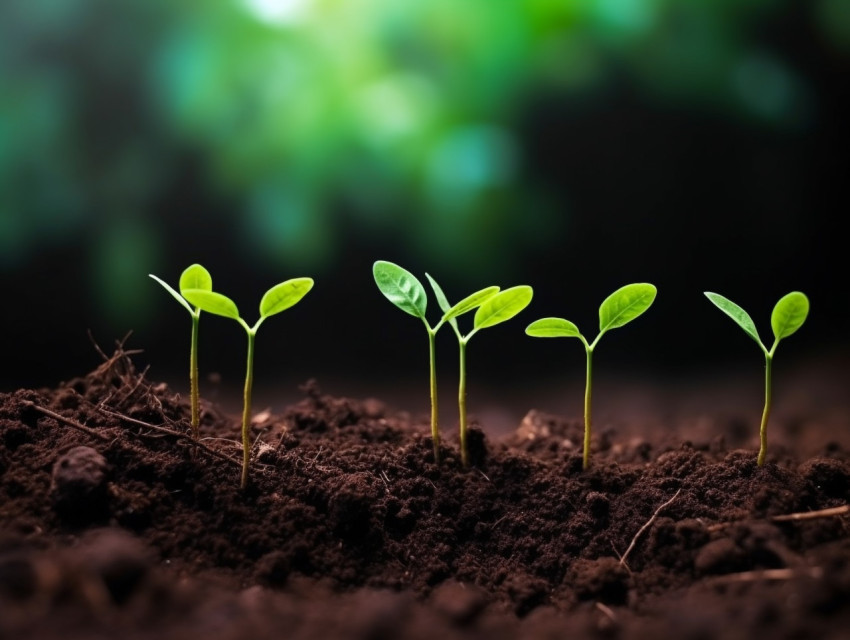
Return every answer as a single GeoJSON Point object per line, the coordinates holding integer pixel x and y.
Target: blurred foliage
{"type": "Point", "coordinates": [318, 118]}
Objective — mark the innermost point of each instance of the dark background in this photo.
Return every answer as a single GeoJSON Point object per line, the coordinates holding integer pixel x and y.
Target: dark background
{"type": "Point", "coordinates": [567, 147]}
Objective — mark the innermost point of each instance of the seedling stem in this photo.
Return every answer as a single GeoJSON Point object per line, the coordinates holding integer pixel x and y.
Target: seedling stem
{"type": "Point", "coordinates": [246, 407]}
{"type": "Point", "coordinates": [194, 389]}
{"type": "Point", "coordinates": [585, 460]}
{"type": "Point", "coordinates": [435, 412]}
{"type": "Point", "coordinates": [461, 404]}
{"type": "Point", "coordinates": [768, 361]}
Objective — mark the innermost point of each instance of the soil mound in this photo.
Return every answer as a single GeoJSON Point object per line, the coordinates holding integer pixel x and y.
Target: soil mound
{"type": "Point", "coordinates": [114, 520]}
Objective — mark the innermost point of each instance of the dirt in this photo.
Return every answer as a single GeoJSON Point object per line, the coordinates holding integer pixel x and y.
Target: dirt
{"type": "Point", "coordinates": [114, 521]}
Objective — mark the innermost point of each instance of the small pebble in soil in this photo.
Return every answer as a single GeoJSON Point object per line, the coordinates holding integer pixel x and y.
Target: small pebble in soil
{"type": "Point", "coordinates": [78, 485]}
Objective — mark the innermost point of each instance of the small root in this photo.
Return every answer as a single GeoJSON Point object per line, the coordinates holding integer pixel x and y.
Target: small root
{"type": "Point", "coordinates": [768, 574]}
{"type": "Point", "coordinates": [646, 526]}
{"type": "Point", "coordinates": [791, 517]}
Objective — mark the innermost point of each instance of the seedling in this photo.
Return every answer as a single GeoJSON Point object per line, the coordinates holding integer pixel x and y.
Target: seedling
{"type": "Point", "coordinates": [788, 315]}
{"type": "Point", "coordinates": [279, 298]}
{"type": "Point", "coordinates": [618, 309]}
{"type": "Point", "coordinates": [405, 291]}
{"type": "Point", "coordinates": [194, 277]}
{"type": "Point", "coordinates": [492, 308]}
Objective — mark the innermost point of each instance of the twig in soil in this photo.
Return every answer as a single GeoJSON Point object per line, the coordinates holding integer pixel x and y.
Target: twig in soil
{"type": "Point", "coordinates": [119, 348]}
{"type": "Point", "coordinates": [792, 517]}
{"type": "Point", "coordinates": [385, 480]}
{"type": "Point", "coordinates": [768, 574]}
{"type": "Point", "coordinates": [131, 390]}
{"type": "Point", "coordinates": [68, 421]}
{"type": "Point", "coordinates": [170, 432]}
{"type": "Point", "coordinates": [646, 526]}
{"type": "Point", "coordinates": [811, 515]}
{"type": "Point", "coordinates": [97, 346]}
{"type": "Point", "coordinates": [606, 611]}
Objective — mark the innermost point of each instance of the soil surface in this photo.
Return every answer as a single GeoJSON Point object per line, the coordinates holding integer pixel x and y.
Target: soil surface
{"type": "Point", "coordinates": [114, 522]}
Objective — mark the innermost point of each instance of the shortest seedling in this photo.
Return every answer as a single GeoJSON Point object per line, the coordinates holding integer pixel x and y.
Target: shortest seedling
{"type": "Point", "coordinates": [788, 315]}
{"type": "Point", "coordinates": [621, 307]}
{"type": "Point", "coordinates": [279, 298]}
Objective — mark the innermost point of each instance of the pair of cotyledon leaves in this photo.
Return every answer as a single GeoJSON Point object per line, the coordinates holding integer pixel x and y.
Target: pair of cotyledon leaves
{"type": "Point", "coordinates": [788, 315]}
{"type": "Point", "coordinates": [405, 291]}
{"type": "Point", "coordinates": [621, 307]}
{"type": "Point", "coordinates": [194, 277]}
{"type": "Point", "coordinates": [196, 288]}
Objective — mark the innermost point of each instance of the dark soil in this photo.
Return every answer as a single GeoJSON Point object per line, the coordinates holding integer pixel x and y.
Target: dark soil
{"type": "Point", "coordinates": [114, 523]}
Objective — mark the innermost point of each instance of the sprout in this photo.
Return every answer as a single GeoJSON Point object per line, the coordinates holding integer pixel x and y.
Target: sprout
{"type": "Point", "coordinates": [618, 309]}
{"type": "Point", "coordinates": [492, 308]}
{"type": "Point", "coordinates": [194, 277]}
{"type": "Point", "coordinates": [788, 316]}
{"type": "Point", "coordinates": [405, 291]}
{"type": "Point", "coordinates": [279, 298]}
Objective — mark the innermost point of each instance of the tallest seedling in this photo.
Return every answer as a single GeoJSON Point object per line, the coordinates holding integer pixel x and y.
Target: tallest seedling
{"type": "Point", "coordinates": [621, 307]}
{"type": "Point", "coordinates": [279, 298]}
{"type": "Point", "coordinates": [788, 315]}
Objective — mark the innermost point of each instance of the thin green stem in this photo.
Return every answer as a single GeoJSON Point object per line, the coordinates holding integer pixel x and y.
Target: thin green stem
{"type": "Point", "coordinates": [435, 413]}
{"type": "Point", "coordinates": [246, 410]}
{"type": "Point", "coordinates": [461, 403]}
{"type": "Point", "coordinates": [194, 392]}
{"type": "Point", "coordinates": [587, 398]}
{"type": "Point", "coordinates": [768, 361]}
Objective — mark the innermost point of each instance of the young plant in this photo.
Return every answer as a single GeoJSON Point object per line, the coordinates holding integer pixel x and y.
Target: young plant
{"type": "Point", "coordinates": [492, 307]}
{"type": "Point", "coordinates": [788, 316]}
{"type": "Point", "coordinates": [621, 307]}
{"type": "Point", "coordinates": [405, 291]}
{"type": "Point", "coordinates": [193, 277]}
{"type": "Point", "coordinates": [279, 298]}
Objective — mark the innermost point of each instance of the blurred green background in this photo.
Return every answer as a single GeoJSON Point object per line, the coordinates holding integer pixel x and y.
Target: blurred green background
{"type": "Point", "coordinates": [574, 145]}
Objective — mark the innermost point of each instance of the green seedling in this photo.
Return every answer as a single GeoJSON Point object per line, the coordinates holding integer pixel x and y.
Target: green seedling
{"type": "Point", "coordinates": [492, 307]}
{"type": "Point", "coordinates": [405, 291]}
{"type": "Point", "coordinates": [194, 277]}
{"type": "Point", "coordinates": [621, 307]}
{"type": "Point", "coordinates": [788, 315]}
{"type": "Point", "coordinates": [279, 298]}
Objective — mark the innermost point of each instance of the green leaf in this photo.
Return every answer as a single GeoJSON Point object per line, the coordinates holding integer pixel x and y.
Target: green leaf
{"type": "Point", "coordinates": [441, 299]}
{"type": "Point", "coordinates": [553, 328]}
{"type": "Point", "coordinates": [212, 302]}
{"type": "Point", "coordinates": [400, 287]}
{"type": "Point", "coordinates": [789, 314]}
{"type": "Point", "coordinates": [502, 306]}
{"type": "Point", "coordinates": [741, 317]}
{"type": "Point", "coordinates": [284, 295]}
{"type": "Point", "coordinates": [195, 277]}
{"type": "Point", "coordinates": [176, 295]}
{"type": "Point", "coordinates": [625, 304]}
{"type": "Point", "coordinates": [471, 302]}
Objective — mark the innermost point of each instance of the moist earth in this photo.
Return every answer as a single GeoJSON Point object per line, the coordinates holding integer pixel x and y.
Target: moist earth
{"type": "Point", "coordinates": [113, 520]}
